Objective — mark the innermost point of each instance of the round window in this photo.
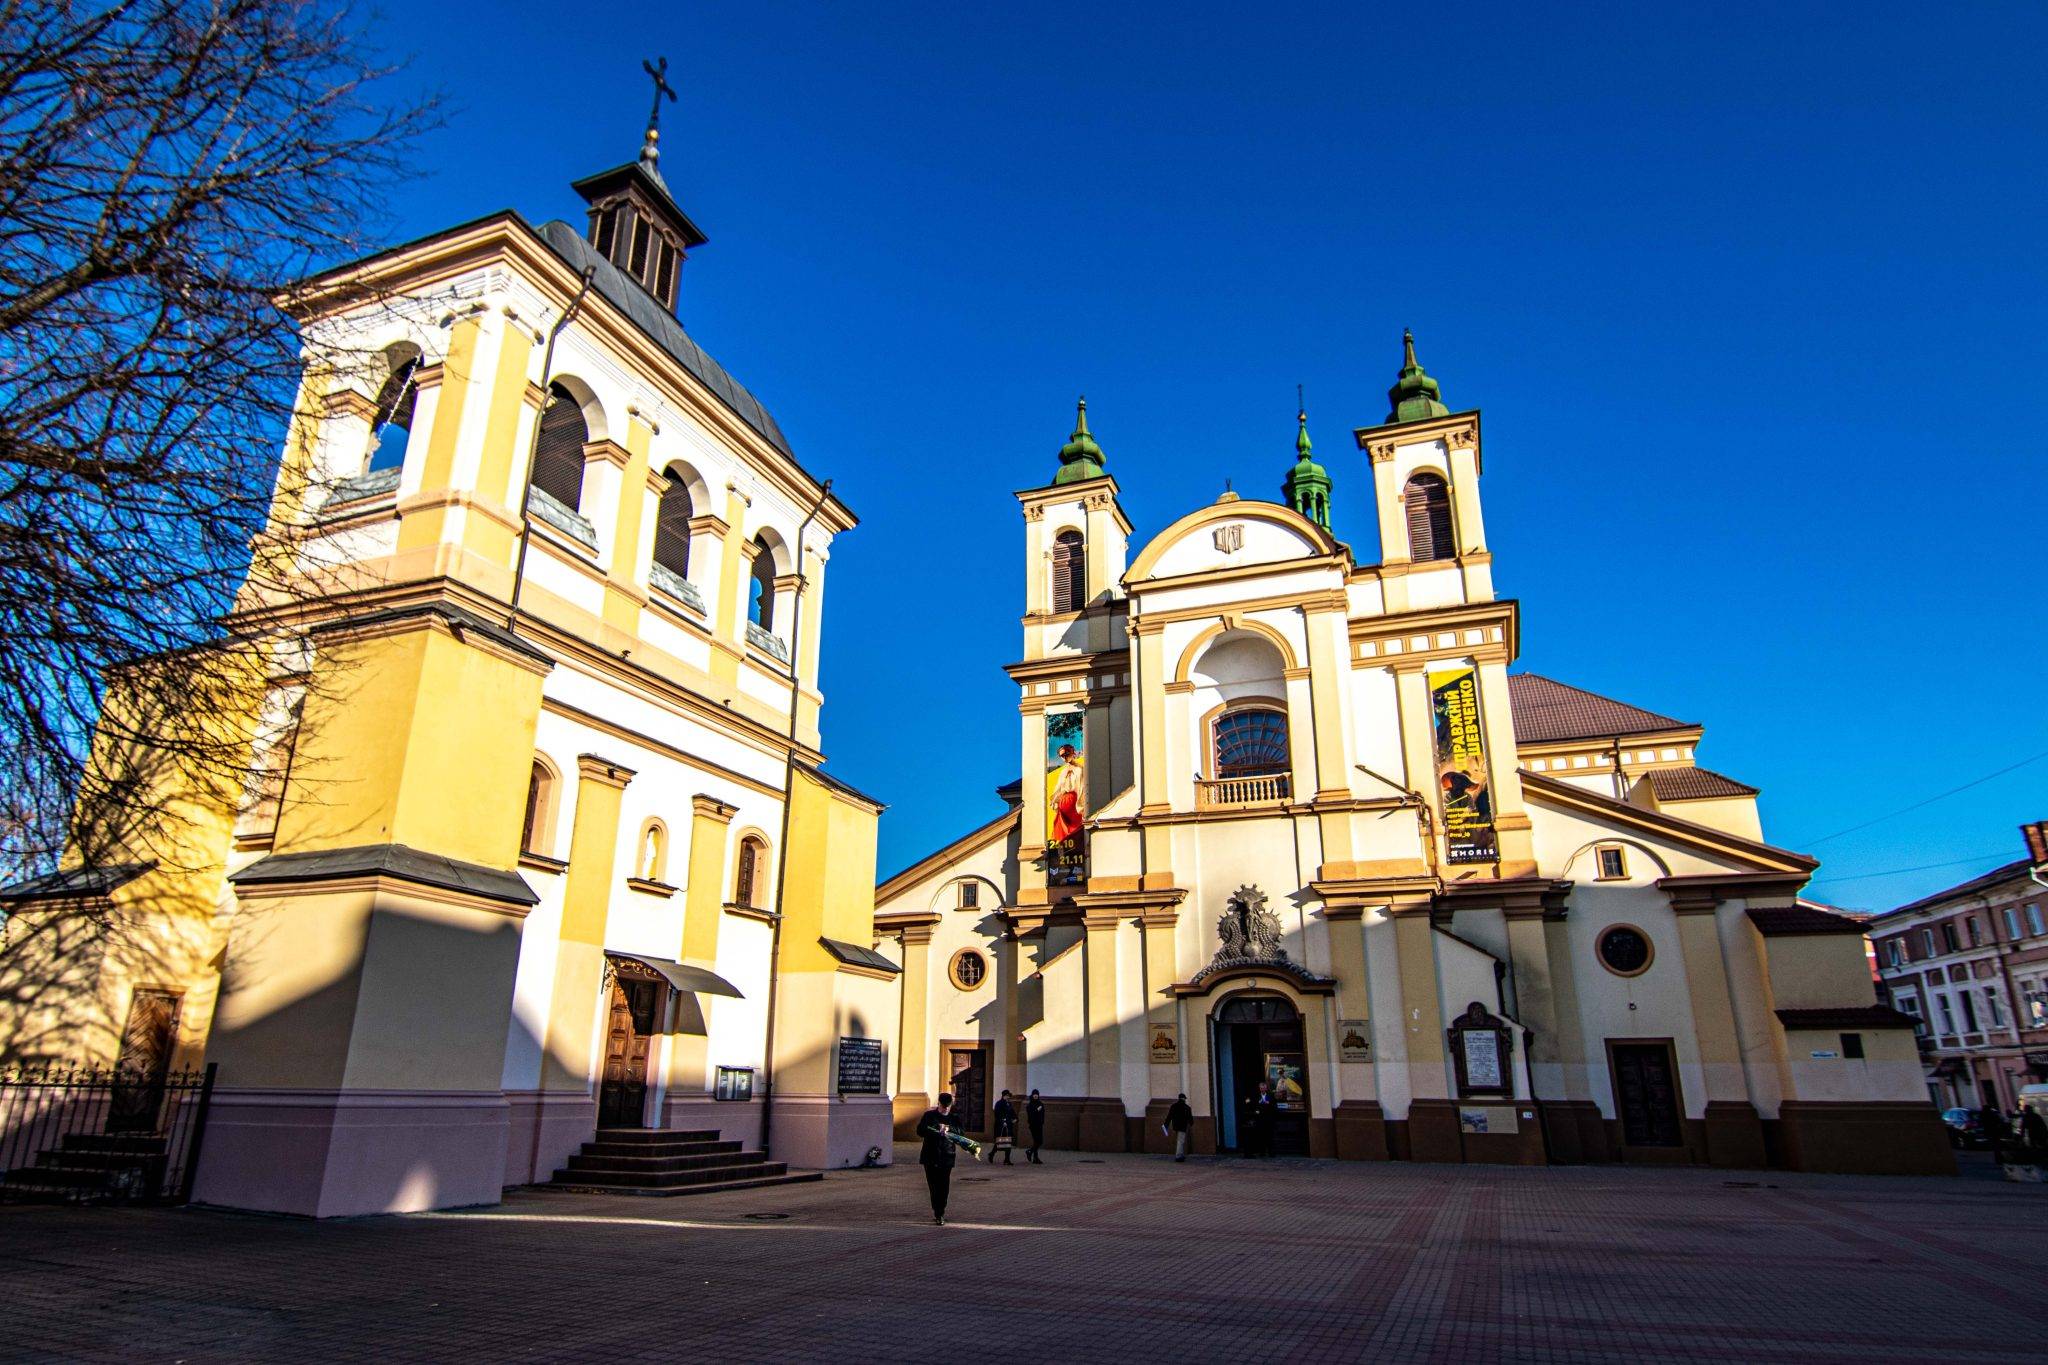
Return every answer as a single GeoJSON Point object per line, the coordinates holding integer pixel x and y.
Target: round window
{"type": "Point", "coordinates": [1624, 950]}
{"type": "Point", "coordinates": [970, 969]}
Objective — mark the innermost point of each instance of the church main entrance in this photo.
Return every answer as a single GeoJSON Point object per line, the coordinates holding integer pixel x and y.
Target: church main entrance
{"type": "Point", "coordinates": [1259, 1038]}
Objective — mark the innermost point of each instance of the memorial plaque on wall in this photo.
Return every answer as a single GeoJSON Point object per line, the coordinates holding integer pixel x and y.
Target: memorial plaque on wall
{"type": "Point", "coordinates": [860, 1066]}
{"type": "Point", "coordinates": [1480, 1044]}
{"type": "Point", "coordinates": [1164, 1035]}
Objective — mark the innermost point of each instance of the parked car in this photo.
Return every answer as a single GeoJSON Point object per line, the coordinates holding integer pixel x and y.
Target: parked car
{"type": "Point", "coordinates": [1965, 1128]}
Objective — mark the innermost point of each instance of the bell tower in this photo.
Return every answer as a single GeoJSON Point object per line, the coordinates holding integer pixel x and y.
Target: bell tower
{"type": "Point", "coordinates": [1425, 481]}
{"type": "Point", "coordinates": [1073, 679]}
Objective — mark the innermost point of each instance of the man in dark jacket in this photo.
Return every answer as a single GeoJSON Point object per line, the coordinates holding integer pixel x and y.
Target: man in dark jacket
{"type": "Point", "coordinates": [1180, 1121]}
{"type": "Point", "coordinates": [1260, 1111]}
{"type": "Point", "coordinates": [1034, 1118]}
{"type": "Point", "coordinates": [937, 1155]}
{"type": "Point", "coordinates": [1005, 1129]}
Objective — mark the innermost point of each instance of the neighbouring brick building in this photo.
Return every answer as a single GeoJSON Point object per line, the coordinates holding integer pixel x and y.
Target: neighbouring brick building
{"type": "Point", "coordinates": [1971, 963]}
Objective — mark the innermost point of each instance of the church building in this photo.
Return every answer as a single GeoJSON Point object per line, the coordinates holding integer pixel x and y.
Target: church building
{"type": "Point", "coordinates": [536, 846]}
{"type": "Point", "coordinates": [1286, 819]}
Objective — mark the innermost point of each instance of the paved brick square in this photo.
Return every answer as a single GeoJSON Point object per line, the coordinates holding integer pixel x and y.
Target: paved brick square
{"type": "Point", "coordinates": [1119, 1258]}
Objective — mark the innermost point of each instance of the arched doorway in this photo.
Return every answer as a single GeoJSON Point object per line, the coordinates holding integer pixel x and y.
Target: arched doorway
{"type": "Point", "coordinates": [1257, 1038]}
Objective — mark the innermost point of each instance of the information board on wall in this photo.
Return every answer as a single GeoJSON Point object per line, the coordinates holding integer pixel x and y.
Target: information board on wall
{"type": "Point", "coordinates": [860, 1066]}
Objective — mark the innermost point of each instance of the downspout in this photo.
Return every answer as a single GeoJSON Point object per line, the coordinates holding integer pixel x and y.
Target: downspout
{"type": "Point", "coordinates": [796, 646]}
{"type": "Point", "coordinates": [547, 373]}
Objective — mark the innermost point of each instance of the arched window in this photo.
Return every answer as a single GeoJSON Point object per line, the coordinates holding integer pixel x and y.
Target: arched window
{"type": "Point", "coordinates": [1251, 742]}
{"type": "Point", "coordinates": [746, 883]}
{"type": "Point", "coordinates": [1429, 518]}
{"type": "Point", "coordinates": [1069, 571]}
{"type": "Point", "coordinates": [540, 810]}
{"type": "Point", "coordinates": [393, 424]}
{"type": "Point", "coordinates": [558, 458]}
{"type": "Point", "coordinates": [761, 589]}
{"type": "Point", "coordinates": [672, 527]}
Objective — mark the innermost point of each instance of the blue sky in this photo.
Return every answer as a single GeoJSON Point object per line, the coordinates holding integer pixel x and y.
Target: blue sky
{"type": "Point", "coordinates": [1752, 300]}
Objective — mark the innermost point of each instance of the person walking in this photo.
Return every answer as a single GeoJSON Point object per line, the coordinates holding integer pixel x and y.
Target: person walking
{"type": "Point", "coordinates": [1006, 1130]}
{"type": "Point", "coordinates": [937, 1155]}
{"type": "Point", "coordinates": [1034, 1118]}
{"type": "Point", "coordinates": [2034, 1130]}
{"type": "Point", "coordinates": [1259, 1120]}
{"type": "Point", "coordinates": [1180, 1121]}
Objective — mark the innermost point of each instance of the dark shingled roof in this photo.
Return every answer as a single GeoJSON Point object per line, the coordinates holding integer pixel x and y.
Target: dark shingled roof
{"type": "Point", "coordinates": [636, 303]}
{"type": "Point", "coordinates": [1982, 882]}
{"type": "Point", "coordinates": [1784, 921]}
{"type": "Point", "coordinates": [1546, 710]}
{"type": "Point", "coordinates": [853, 955]}
{"type": "Point", "coordinates": [72, 883]}
{"type": "Point", "coordinates": [1694, 784]}
{"type": "Point", "coordinates": [1853, 1016]}
{"type": "Point", "coordinates": [389, 860]}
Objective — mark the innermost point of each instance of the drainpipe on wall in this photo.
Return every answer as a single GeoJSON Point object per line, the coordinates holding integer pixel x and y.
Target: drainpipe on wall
{"type": "Point", "coordinates": [796, 646]}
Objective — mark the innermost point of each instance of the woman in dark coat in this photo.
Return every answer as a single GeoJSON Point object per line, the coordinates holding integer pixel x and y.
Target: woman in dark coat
{"type": "Point", "coordinates": [1034, 1117]}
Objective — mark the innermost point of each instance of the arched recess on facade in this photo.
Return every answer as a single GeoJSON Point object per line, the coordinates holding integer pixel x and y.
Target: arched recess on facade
{"type": "Point", "coordinates": [1221, 633]}
{"type": "Point", "coordinates": [1583, 866]}
{"type": "Point", "coordinates": [651, 850]}
{"type": "Point", "coordinates": [771, 570]}
{"type": "Point", "coordinates": [587, 403]}
{"type": "Point", "coordinates": [391, 425]}
{"type": "Point", "coordinates": [954, 892]}
{"type": "Point", "coordinates": [1320, 540]}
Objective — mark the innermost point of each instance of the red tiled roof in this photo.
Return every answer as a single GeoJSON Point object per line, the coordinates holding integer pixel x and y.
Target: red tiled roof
{"type": "Point", "coordinates": [1779, 921]}
{"type": "Point", "coordinates": [1546, 710]}
{"type": "Point", "coordinates": [1859, 1016]}
{"type": "Point", "coordinates": [1694, 784]}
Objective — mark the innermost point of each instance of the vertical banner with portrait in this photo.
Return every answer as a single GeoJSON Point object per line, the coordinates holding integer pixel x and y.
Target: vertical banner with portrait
{"type": "Point", "coordinates": [1066, 798]}
{"type": "Point", "coordinates": [1461, 775]}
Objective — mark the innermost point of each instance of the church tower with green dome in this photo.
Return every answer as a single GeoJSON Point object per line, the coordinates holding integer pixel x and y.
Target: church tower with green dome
{"type": "Point", "coordinates": [1080, 457]}
{"type": "Point", "coordinates": [1414, 397]}
{"type": "Point", "coordinates": [1307, 485]}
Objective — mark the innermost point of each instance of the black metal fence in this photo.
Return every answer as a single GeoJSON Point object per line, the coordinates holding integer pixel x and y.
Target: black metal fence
{"type": "Point", "coordinates": [74, 1134]}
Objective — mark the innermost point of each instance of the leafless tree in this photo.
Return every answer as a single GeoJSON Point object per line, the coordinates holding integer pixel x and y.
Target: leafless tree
{"type": "Point", "coordinates": [168, 170]}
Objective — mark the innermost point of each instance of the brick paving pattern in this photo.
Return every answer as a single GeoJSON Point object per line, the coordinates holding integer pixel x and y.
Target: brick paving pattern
{"type": "Point", "coordinates": [1120, 1258]}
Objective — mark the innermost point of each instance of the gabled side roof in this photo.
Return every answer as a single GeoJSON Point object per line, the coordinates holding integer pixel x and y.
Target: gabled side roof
{"type": "Point", "coordinates": [967, 843]}
{"type": "Point", "coordinates": [1547, 711]}
{"type": "Point", "coordinates": [1713, 842]}
{"type": "Point", "coordinates": [1694, 784]}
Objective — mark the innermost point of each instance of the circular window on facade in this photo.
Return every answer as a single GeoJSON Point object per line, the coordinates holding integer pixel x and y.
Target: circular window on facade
{"type": "Point", "coordinates": [970, 969]}
{"type": "Point", "coordinates": [1624, 950]}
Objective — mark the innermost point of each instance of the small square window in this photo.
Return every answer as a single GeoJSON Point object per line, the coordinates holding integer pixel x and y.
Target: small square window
{"type": "Point", "coordinates": [970, 895]}
{"type": "Point", "coordinates": [1613, 866]}
{"type": "Point", "coordinates": [1852, 1046]}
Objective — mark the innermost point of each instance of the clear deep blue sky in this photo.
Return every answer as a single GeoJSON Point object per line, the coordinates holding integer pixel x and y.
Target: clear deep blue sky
{"type": "Point", "coordinates": [1753, 302]}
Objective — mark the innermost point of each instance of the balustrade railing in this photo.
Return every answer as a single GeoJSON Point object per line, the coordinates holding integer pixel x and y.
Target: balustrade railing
{"type": "Point", "coordinates": [1241, 791]}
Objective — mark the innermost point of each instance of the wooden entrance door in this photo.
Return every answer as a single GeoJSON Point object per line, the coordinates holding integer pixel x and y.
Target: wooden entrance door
{"type": "Point", "coordinates": [967, 1067]}
{"type": "Point", "coordinates": [622, 1098]}
{"type": "Point", "coordinates": [1646, 1094]}
{"type": "Point", "coordinates": [144, 1062]}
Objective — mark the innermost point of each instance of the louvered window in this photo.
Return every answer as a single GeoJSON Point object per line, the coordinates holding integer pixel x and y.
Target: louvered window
{"type": "Point", "coordinates": [747, 882]}
{"type": "Point", "coordinates": [1251, 743]}
{"type": "Point", "coordinates": [672, 528]}
{"type": "Point", "coordinates": [1069, 571]}
{"type": "Point", "coordinates": [1429, 518]}
{"type": "Point", "coordinates": [558, 459]}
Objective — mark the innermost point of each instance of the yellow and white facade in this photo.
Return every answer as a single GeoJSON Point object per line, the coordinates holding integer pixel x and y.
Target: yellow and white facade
{"type": "Point", "coordinates": [519, 748]}
{"type": "Point", "coordinates": [1331, 843]}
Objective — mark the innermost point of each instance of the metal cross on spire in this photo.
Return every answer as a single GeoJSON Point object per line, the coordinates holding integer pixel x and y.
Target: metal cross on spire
{"type": "Point", "coordinates": [659, 75]}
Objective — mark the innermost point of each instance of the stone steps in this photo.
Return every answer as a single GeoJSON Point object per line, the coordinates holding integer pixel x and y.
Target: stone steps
{"type": "Point", "coordinates": [669, 1161]}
